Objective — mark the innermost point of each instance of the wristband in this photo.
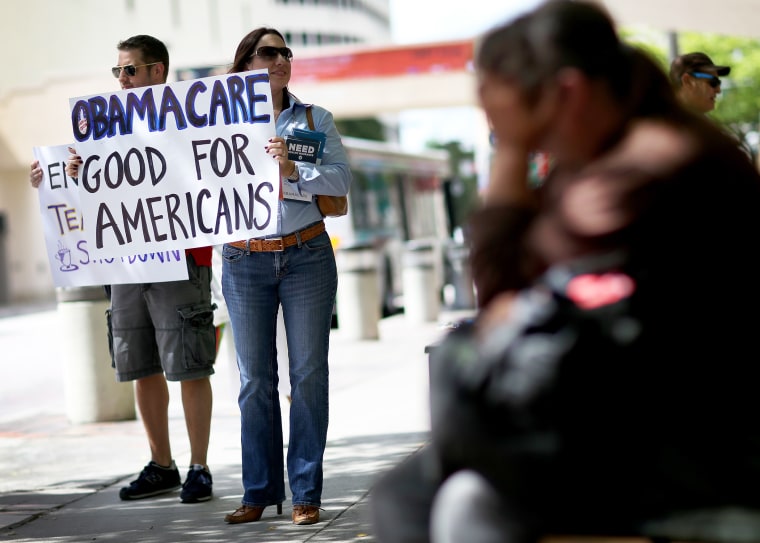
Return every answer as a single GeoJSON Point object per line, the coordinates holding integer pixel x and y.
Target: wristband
{"type": "Point", "coordinates": [294, 176]}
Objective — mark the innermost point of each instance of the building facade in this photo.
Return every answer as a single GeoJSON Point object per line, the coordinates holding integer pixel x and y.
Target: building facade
{"type": "Point", "coordinates": [56, 50]}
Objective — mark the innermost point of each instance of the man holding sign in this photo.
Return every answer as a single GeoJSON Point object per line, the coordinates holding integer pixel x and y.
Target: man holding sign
{"type": "Point", "coordinates": [162, 331]}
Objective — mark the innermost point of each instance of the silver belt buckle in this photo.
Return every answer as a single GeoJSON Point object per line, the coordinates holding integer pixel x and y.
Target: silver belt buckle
{"type": "Point", "coordinates": [281, 248]}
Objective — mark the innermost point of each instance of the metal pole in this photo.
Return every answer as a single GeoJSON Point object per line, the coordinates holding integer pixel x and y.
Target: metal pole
{"type": "Point", "coordinates": [673, 45]}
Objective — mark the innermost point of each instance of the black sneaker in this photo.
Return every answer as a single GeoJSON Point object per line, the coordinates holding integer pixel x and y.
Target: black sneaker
{"type": "Point", "coordinates": [197, 486]}
{"type": "Point", "coordinates": [152, 481]}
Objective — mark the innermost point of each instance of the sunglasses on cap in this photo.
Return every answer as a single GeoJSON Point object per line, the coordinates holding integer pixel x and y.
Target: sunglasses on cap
{"type": "Point", "coordinates": [714, 81]}
{"type": "Point", "coordinates": [131, 69]}
{"type": "Point", "coordinates": [269, 52]}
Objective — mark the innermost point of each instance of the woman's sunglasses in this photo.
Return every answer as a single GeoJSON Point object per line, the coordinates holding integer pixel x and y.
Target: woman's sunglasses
{"type": "Point", "coordinates": [712, 80]}
{"type": "Point", "coordinates": [131, 69]}
{"type": "Point", "coordinates": [269, 52]}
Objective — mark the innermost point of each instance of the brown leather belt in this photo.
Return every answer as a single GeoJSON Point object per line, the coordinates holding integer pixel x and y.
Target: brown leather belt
{"type": "Point", "coordinates": [258, 245]}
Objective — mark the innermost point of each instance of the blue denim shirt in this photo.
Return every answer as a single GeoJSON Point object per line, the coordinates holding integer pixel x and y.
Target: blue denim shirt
{"type": "Point", "coordinates": [331, 177]}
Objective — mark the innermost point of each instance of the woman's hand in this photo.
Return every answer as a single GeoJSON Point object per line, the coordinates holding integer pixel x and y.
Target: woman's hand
{"type": "Point", "coordinates": [279, 150]}
{"type": "Point", "coordinates": [35, 175]}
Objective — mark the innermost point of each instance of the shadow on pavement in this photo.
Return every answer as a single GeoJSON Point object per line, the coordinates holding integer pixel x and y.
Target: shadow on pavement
{"type": "Point", "coordinates": [65, 514]}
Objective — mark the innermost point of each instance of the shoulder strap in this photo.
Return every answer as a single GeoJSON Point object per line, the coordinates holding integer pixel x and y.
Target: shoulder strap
{"type": "Point", "coordinates": [309, 118]}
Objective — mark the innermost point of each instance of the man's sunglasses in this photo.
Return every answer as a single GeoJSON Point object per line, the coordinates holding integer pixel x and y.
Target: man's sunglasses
{"type": "Point", "coordinates": [131, 69]}
{"type": "Point", "coordinates": [711, 79]}
{"type": "Point", "coordinates": [269, 52]}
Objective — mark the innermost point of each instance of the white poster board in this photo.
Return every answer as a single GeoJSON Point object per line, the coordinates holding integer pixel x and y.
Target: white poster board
{"type": "Point", "coordinates": [71, 262]}
{"type": "Point", "coordinates": [179, 165]}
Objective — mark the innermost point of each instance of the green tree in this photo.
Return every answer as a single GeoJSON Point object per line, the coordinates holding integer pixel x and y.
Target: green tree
{"type": "Point", "coordinates": [368, 128]}
{"type": "Point", "coordinates": [462, 188]}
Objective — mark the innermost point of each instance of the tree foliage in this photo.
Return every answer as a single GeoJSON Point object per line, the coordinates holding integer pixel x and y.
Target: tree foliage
{"type": "Point", "coordinates": [368, 128]}
{"type": "Point", "coordinates": [461, 189]}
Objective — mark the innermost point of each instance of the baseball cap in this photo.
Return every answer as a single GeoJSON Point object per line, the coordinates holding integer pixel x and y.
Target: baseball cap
{"type": "Point", "coordinates": [694, 62]}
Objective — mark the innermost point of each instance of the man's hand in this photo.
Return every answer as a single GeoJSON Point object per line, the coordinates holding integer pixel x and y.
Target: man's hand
{"type": "Point", "coordinates": [35, 176]}
{"type": "Point", "coordinates": [72, 164]}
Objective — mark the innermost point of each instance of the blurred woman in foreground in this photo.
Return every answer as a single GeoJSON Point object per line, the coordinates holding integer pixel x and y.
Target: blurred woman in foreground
{"type": "Point", "coordinates": [668, 211]}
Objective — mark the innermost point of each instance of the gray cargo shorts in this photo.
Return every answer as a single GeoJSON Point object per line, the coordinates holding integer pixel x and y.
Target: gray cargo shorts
{"type": "Point", "coordinates": [163, 327]}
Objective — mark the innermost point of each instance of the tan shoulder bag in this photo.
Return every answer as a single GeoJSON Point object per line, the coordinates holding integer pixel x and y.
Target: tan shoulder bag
{"type": "Point", "coordinates": [329, 206]}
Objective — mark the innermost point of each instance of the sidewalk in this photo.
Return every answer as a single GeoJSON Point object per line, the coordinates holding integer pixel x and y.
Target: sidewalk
{"type": "Point", "coordinates": [61, 481]}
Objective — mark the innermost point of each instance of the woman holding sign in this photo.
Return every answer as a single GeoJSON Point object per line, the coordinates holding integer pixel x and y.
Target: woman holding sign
{"type": "Point", "coordinates": [296, 269]}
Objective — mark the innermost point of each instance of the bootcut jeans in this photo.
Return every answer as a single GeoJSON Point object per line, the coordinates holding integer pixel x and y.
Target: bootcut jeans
{"type": "Point", "coordinates": [303, 279]}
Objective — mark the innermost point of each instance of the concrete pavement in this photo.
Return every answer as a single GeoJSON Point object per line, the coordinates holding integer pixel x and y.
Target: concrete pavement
{"type": "Point", "coordinates": [59, 481]}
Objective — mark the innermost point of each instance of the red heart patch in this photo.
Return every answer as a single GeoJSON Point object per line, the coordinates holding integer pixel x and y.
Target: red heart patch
{"type": "Point", "coordinates": [590, 291]}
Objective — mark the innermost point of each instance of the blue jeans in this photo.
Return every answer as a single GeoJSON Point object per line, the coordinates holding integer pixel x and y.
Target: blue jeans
{"type": "Point", "coordinates": [303, 278]}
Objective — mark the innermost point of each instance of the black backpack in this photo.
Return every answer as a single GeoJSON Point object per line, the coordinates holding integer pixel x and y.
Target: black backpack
{"type": "Point", "coordinates": [548, 405]}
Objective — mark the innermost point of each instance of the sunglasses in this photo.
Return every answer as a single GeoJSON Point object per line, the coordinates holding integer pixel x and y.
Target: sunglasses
{"type": "Point", "coordinates": [269, 52]}
{"type": "Point", "coordinates": [131, 69]}
{"type": "Point", "coordinates": [713, 81]}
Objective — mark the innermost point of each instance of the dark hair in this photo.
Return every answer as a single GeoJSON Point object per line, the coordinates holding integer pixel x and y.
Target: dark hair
{"type": "Point", "coordinates": [151, 49]}
{"type": "Point", "coordinates": [650, 94]}
{"type": "Point", "coordinates": [246, 49]}
{"type": "Point", "coordinates": [533, 48]}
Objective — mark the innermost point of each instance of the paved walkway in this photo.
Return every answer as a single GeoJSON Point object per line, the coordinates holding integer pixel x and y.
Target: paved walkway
{"type": "Point", "coordinates": [60, 481]}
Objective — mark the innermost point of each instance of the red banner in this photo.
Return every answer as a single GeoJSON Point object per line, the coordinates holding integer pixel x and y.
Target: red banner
{"type": "Point", "coordinates": [398, 61]}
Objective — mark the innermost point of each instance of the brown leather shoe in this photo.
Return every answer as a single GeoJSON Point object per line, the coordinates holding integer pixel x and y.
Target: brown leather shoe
{"type": "Point", "coordinates": [247, 513]}
{"type": "Point", "coordinates": [305, 514]}
{"type": "Point", "coordinates": [244, 513]}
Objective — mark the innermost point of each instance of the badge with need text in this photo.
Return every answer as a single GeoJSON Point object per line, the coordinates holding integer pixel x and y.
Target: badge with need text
{"type": "Point", "coordinates": [177, 166]}
{"type": "Point", "coordinates": [71, 263]}
{"type": "Point", "coordinates": [303, 146]}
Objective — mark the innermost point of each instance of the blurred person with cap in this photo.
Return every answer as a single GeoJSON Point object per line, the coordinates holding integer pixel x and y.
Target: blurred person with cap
{"type": "Point", "coordinates": [696, 79]}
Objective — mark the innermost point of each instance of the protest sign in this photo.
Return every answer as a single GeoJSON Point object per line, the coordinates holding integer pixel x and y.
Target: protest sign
{"type": "Point", "coordinates": [179, 165]}
{"type": "Point", "coordinates": [71, 262]}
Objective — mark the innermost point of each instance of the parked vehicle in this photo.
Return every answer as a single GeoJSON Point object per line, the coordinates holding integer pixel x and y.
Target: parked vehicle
{"type": "Point", "coordinates": [396, 197]}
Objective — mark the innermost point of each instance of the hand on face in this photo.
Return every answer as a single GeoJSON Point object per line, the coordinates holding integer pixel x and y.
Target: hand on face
{"type": "Point", "coordinates": [517, 127]}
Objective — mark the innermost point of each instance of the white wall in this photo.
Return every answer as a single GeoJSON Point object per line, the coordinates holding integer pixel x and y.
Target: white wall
{"type": "Point", "coordinates": [728, 17]}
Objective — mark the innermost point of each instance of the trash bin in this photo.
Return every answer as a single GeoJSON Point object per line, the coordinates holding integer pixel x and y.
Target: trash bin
{"type": "Point", "coordinates": [358, 298]}
{"type": "Point", "coordinates": [460, 276]}
{"type": "Point", "coordinates": [91, 390]}
{"type": "Point", "coordinates": [421, 293]}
